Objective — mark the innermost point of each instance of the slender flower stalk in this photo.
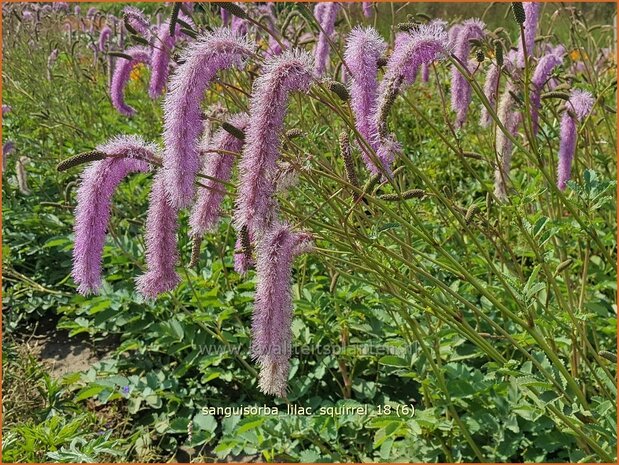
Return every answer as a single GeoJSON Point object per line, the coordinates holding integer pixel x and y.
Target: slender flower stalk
{"type": "Point", "coordinates": [289, 72]}
{"type": "Point", "coordinates": [531, 11]}
{"type": "Point", "coordinates": [163, 45]}
{"type": "Point", "coordinates": [218, 165]}
{"type": "Point", "coordinates": [511, 119]}
{"type": "Point", "coordinates": [121, 75]}
{"type": "Point", "coordinates": [215, 51]}
{"type": "Point", "coordinates": [424, 44]}
{"type": "Point", "coordinates": [161, 243]}
{"type": "Point", "coordinates": [104, 37]}
{"type": "Point", "coordinates": [460, 87]}
{"type": "Point", "coordinates": [272, 316]}
{"type": "Point", "coordinates": [578, 107]}
{"type": "Point", "coordinates": [94, 202]}
{"type": "Point", "coordinates": [543, 70]}
{"type": "Point", "coordinates": [364, 47]}
{"type": "Point", "coordinates": [326, 19]}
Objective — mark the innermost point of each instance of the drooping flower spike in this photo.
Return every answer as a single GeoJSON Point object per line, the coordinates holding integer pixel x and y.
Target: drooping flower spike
{"type": "Point", "coordinates": [531, 11]}
{"type": "Point", "coordinates": [161, 243]}
{"type": "Point", "coordinates": [543, 70]}
{"type": "Point", "coordinates": [163, 44]}
{"type": "Point", "coordinates": [490, 91]}
{"type": "Point", "coordinates": [578, 107]}
{"type": "Point", "coordinates": [121, 75]}
{"type": "Point", "coordinates": [272, 316]}
{"type": "Point", "coordinates": [137, 21]}
{"type": "Point", "coordinates": [94, 202]}
{"type": "Point", "coordinates": [218, 165]}
{"type": "Point", "coordinates": [104, 37]}
{"type": "Point", "coordinates": [326, 18]}
{"type": "Point", "coordinates": [364, 47]}
{"type": "Point", "coordinates": [460, 88]}
{"type": "Point", "coordinates": [215, 51]}
{"type": "Point", "coordinates": [289, 72]}
{"type": "Point", "coordinates": [511, 119]}
{"type": "Point", "coordinates": [425, 44]}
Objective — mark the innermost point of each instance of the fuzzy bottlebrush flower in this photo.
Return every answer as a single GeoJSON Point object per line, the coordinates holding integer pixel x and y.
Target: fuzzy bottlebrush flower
{"type": "Point", "coordinates": [460, 88]}
{"type": "Point", "coordinates": [367, 9]}
{"type": "Point", "coordinates": [161, 243]}
{"type": "Point", "coordinates": [206, 211]}
{"type": "Point", "coordinates": [77, 10]}
{"type": "Point", "coordinates": [51, 60]}
{"type": "Point", "coordinates": [92, 11]}
{"type": "Point", "coordinates": [424, 44]}
{"type": "Point", "coordinates": [510, 118]}
{"type": "Point", "coordinates": [215, 51]}
{"type": "Point", "coordinates": [5, 109]}
{"type": "Point", "coordinates": [326, 18]}
{"type": "Point", "coordinates": [578, 107]}
{"type": "Point", "coordinates": [22, 176]}
{"type": "Point", "coordinates": [122, 73]}
{"type": "Point", "coordinates": [544, 68]}
{"type": "Point", "coordinates": [137, 21]}
{"type": "Point", "coordinates": [7, 148]}
{"type": "Point", "coordinates": [364, 47]}
{"type": "Point", "coordinates": [104, 37]}
{"type": "Point", "coordinates": [163, 45]}
{"type": "Point", "coordinates": [531, 11]}
{"type": "Point", "coordinates": [490, 91]}
{"type": "Point", "coordinates": [285, 73]}
{"type": "Point", "coordinates": [272, 316]}
{"type": "Point", "coordinates": [94, 202]}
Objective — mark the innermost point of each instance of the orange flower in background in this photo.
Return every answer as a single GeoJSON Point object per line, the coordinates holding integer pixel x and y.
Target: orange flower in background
{"type": "Point", "coordinates": [576, 55]}
{"type": "Point", "coordinates": [136, 72]}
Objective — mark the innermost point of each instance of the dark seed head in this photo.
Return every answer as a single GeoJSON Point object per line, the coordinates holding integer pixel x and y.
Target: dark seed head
{"type": "Point", "coordinates": [80, 159]}
{"type": "Point", "coordinates": [498, 52]}
{"type": "Point", "coordinates": [233, 8]}
{"type": "Point", "coordinates": [236, 132]}
{"type": "Point", "coordinates": [294, 133]}
{"type": "Point", "coordinates": [518, 10]}
{"type": "Point", "coordinates": [340, 90]}
{"type": "Point", "coordinates": [480, 56]}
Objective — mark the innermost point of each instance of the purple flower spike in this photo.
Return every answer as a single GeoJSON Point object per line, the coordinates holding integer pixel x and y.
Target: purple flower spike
{"type": "Point", "coordinates": [272, 316]}
{"type": "Point", "coordinates": [5, 109]}
{"type": "Point", "coordinates": [182, 113]}
{"type": "Point", "coordinates": [122, 73]}
{"type": "Point", "coordinates": [578, 107]}
{"type": "Point", "coordinates": [326, 18]}
{"type": "Point", "coordinates": [510, 119]}
{"type": "Point", "coordinates": [163, 45]}
{"type": "Point", "coordinates": [367, 9]}
{"type": "Point", "coordinates": [531, 11]}
{"type": "Point", "coordinates": [460, 88]}
{"type": "Point", "coordinates": [490, 91]}
{"type": "Point", "coordinates": [206, 211]}
{"type": "Point", "coordinates": [289, 72]}
{"type": "Point", "coordinates": [94, 202]}
{"type": "Point", "coordinates": [104, 37]}
{"type": "Point", "coordinates": [161, 245]}
{"type": "Point", "coordinates": [542, 72]}
{"type": "Point", "coordinates": [136, 19]}
{"type": "Point", "coordinates": [363, 49]}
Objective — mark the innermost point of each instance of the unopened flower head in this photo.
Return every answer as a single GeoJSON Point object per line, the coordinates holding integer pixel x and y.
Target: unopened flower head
{"type": "Point", "coordinates": [94, 202]}
{"type": "Point", "coordinates": [286, 73]}
{"type": "Point", "coordinates": [215, 51]}
{"type": "Point", "coordinates": [122, 73]}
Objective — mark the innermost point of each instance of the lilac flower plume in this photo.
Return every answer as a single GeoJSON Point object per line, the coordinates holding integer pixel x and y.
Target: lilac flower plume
{"type": "Point", "coordinates": [160, 59]}
{"type": "Point", "coordinates": [161, 243]}
{"type": "Point", "coordinates": [460, 88]}
{"type": "Point", "coordinates": [206, 211]}
{"type": "Point", "coordinates": [289, 72]}
{"type": "Point", "coordinates": [136, 19]}
{"type": "Point", "coordinates": [367, 9]}
{"type": "Point", "coordinates": [121, 75]}
{"type": "Point", "coordinates": [364, 47]}
{"type": "Point", "coordinates": [531, 11]}
{"type": "Point", "coordinates": [510, 118]}
{"type": "Point", "coordinates": [578, 107]}
{"type": "Point", "coordinates": [94, 202]}
{"type": "Point", "coordinates": [206, 56]}
{"type": "Point", "coordinates": [543, 70]}
{"type": "Point", "coordinates": [5, 109]}
{"type": "Point", "coordinates": [326, 18]}
{"type": "Point", "coordinates": [272, 316]}
{"type": "Point", "coordinates": [425, 44]}
{"type": "Point", "coordinates": [490, 91]}
{"type": "Point", "coordinates": [104, 37]}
